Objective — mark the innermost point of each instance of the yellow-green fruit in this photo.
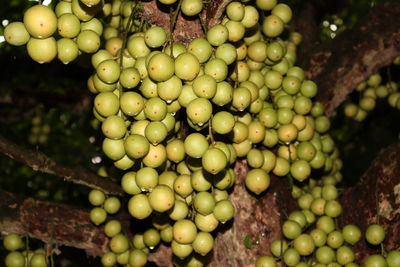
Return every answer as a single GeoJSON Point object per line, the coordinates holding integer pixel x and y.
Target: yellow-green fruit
{"type": "Point", "coordinates": [162, 198]}
{"type": "Point", "coordinates": [67, 50]}
{"type": "Point", "coordinates": [40, 21]}
{"type": "Point", "coordinates": [16, 34]}
{"type": "Point", "coordinates": [42, 50]}
{"type": "Point", "coordinates": [257, 180]}
{"type": "Point", "coordinates": [184, 231]}
{"type": "Point", "coordinates": [90, 3]}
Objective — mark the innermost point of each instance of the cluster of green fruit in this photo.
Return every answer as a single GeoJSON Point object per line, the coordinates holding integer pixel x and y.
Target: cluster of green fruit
{"type": "Point", "coordinates": [16, 258]}
{"type": "Point", "coordinates": [39, 131]}
{"type": "Point", "coordinates": [313, 238]}
{"type": "Point", "coordinates": [371, 90]}
{"type": "Point", "coordinates": [175, 118]}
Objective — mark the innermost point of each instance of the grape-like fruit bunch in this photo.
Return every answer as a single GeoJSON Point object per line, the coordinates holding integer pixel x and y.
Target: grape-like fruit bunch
{"type": "Point", "coordinates": [17, 258]}
{"type": "Point", "coordinates": [176, 117]}
{"type": "Point", "coordinates": [39, 131]}
{"type": "Point", "coordinates": [370, 92]}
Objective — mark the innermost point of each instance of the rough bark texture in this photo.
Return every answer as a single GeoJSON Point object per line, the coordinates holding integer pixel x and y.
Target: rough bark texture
{"type": "Point", "coordinates": [340, 65]}
{"type": "Point", "coordinates": [377, 193]}
{"type": "Point", "coordinates": [54, 224]}
{"type": "Point", "coordinates": [40, 162]}
{"type": "Point", "coordinates": [186, 28]}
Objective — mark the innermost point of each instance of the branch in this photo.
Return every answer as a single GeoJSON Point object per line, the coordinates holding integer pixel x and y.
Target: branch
{"type": "Point", "coordinates": [52, 223]}
{"type": "Point", "coordinates": [186, 28]}
{"type": "Point", "coordinates": [40, 162]}
{"type": "Point", "coordinates": [340, 65]}
{"type": "Point", "coordinates": [377, 193]}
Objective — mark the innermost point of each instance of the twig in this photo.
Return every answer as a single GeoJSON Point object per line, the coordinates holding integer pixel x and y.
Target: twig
{"type": "Point", "coordinates": [42, 163]}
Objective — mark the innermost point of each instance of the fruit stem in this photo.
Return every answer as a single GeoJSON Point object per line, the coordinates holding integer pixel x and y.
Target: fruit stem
{"type": "Point", "coordinates": [125, 39]}
{"type": "Point", "coordinates": [174, 18]}
{"type": "Point", "coordinates": [210, 133]}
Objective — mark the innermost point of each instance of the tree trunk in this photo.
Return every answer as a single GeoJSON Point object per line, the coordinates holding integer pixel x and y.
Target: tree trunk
{"type": "Point", "coordinates": [376, 199]}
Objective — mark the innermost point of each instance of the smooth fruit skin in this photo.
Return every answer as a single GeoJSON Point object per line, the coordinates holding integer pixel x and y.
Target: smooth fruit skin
{"type": "Point", "coordinates": [40, 21]}
{"type": "Point", "coordinates": [42, 50]}
{"type": "Point", "coordinates": [375, 234]}
{"type": "Point", "coordinates": [16, 34]}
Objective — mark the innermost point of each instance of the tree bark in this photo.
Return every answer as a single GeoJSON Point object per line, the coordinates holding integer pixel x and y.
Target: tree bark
{"type": "Point", "coordinates": [53, 223]}
{"type": "Point", "coordinates": [376, 199]}
{"type": "Point", "coordinates": [339, 66]}
{"type": "Point", "coordinates": [186, 28]}
{"type": "Point", "coordinates": [40, 162]}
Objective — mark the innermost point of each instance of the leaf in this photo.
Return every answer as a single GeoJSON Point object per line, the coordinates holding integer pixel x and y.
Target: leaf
{"type": "Point", "coordinates": [247, 241]}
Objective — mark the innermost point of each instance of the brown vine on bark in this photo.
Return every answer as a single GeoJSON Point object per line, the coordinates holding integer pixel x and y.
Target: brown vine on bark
{"type": "Point", "coordinates": [52, 223]}
{"type": "Point", "coordinates": [40, 162]}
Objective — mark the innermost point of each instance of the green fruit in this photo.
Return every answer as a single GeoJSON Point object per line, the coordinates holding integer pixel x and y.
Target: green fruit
{"type": "Point", "coordinates": [204, 203]}
{"type": "Point", "coordinates": [235, 11]}
{"type": "Point", "coordinates": [291, 257]}
{"type": "Point", "coordinates": [98, 215]}
{"type": "Point", "coordinates": [113, 149]}
{"type": "Point", "coordinates": [291, 229]}
{"type": "Point", "coordinates": [393, 258]}
{"type": "Point", "coordinates": [12, 242]}
{"type": "Point", "coordinates": [201, 49]}
{"type": "Point", "coordinates": [187, 66]}
{"type": "Point", "coordinates": [184, 231]}
{"type": "Point", "coordinates": [375, 261]}
{"type": "Point", "coordinates": [112, 228]}
{"type": "Point", "coordinates": [161, 198]}
{"type": "Point", "coordinates": [155, 109]}
{"type": "Point", "coordinates": [199, 110]}
{"type": "Point", "coordinates": [15, 259]}
{"type": "Point", "coordinates": [96, 197]}
{"type": "Point", "coordinates": [42, 50]}
{"type": "Point", "coordinates": [257, 180]}
{"type": "Point", "coordinates": [181, 250]}
{"type": "Point", "coordinates": [206, 223]}
{"type": "Point", "coordinates": [16, 34]}
{"type": "Point", "coordinates": [68, 25]}
{"type": "Point", "coordinates": [109, 259]}
{"type": "Point", "coordinates": [224, 210]}
{"type": "Point", "coordinates": [139, 206]}
{"type": "Point", "coordinates": [155, 37]}
{"type": "Point", "coordinates": [324, 255]}
{"type": "Point", "coordinates": [137, 258]}
{"type": "Point", "coordinates": [161, 67]}
{"type": "Point", "coordinates": [112, 205]}
{"type": "Point", "coordinates": [203, 243]}
{"type": "Point", "coordinates": [304, 244]}
{"type": "Point", "coordinates": [272, 26]}
{"type": "Point", "coordinates": [67, 50]}
{"type": "Point", "coordinates": [375, 234]}
{"type": "Point", "coordinates": [191, 7]}
{"type": "Point", "coordinates": [278, 247]}
{"type": "Point", "coordinates": [38, 260]}
{"type": "Point", "coordinates": [151, 238]}
{"type": "Point", "coordinates": [344, 255]}
{"type": "Point", "coordinates": [40, 21]}
{"type": "Point", "coordinates": [108, 71]}
{"type": "Point", "coordinates": [265, 261]}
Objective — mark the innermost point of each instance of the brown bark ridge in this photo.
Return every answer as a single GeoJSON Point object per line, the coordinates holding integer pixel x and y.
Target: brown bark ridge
{"type": "Point", "coordinates": [40, 162]}
{"type": "Point", "coordinates": [186, 28]}
{"type": "Point", "coordinates": [377, 193]}
{"type": "Point", "coordinates": [339, 66]}
{"type": "Point", "coordinates": [53, 223]}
